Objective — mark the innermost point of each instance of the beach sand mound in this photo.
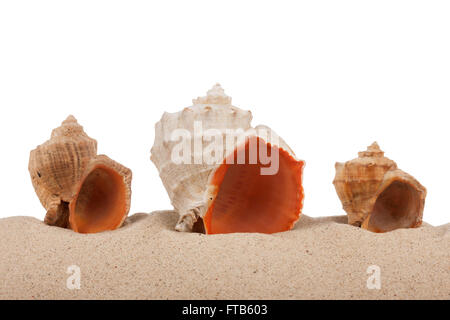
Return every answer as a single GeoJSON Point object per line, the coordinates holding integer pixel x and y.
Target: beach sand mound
{"type": "Point", "coordinates": [146, 259]}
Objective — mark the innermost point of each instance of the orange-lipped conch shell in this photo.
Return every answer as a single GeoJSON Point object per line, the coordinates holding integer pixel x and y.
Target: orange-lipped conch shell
{"type": "Point", "coordinates": [79, 189]}
{"type": "Point", "coordinates": [226, 195]}
{"type": "Point", "coordinates": [376, 194]}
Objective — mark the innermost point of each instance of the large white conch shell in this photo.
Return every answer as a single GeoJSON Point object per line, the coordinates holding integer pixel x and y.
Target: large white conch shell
{"type": "Point", "coordinates": [209, 187]}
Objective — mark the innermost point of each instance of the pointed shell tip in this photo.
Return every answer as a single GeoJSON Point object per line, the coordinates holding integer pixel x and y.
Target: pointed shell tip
{"type": "Point", "coordinates": [215, 95]}
{"type": "Point", "coordinates": [70, 119]}
{"type": "Point", "coordinates": [372, 151]}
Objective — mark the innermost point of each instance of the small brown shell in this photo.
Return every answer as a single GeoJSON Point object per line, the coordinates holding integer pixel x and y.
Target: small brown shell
{"type": "Point", "coordinates": [376, 194]}
{"type": "Point", "coordinates": [59, 168]}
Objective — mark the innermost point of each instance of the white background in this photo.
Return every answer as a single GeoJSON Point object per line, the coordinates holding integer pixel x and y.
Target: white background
{"type": "Point", "coordinates": [329, 76]}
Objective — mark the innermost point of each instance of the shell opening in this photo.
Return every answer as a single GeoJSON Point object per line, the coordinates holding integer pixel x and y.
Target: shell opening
{"type": "Point", "coordinates": [101, 203]}
{"type": "Point", "coordinates": [199, 226]}
{"type": "Point", "coordinates": [247, 201]}
{"type": "Point", "coordinates": [396, 207]}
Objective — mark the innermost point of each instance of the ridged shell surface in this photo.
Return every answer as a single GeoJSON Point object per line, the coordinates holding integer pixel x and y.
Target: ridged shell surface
{"type": "Point", "coordinates": [57, 166]}
{"type": "Point", "coordinates": [79, 189]}
{"type": "Point", "coordinates": [360, 183]}
{"type": "Point", "coordinates": [188, 185]}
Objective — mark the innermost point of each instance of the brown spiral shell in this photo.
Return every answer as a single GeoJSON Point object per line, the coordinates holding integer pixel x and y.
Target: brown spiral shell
{"type": "Point", "coordinates": [59, 168]}
{"type": "Point", "coordinates": [376, 194]}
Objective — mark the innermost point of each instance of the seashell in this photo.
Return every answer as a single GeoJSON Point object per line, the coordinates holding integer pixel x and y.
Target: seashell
{"type": "Point", "coordinates": [79, 189]}
{"type": "Point", "coordinates": [376, 194]}
{"type": "Point", "coordinates": [235, 192]}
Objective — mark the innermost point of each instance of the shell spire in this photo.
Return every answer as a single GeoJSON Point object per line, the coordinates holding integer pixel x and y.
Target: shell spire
{"type": "Point", "coordinates": [215, 95]}
{"type": "Point", "coordinates": [69, 128]}
{"type": "Point", "coordinates": [372, 151]}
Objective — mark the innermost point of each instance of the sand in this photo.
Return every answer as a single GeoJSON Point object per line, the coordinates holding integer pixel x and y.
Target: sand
{"type": "Point", "coordinates": [321, 258]}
